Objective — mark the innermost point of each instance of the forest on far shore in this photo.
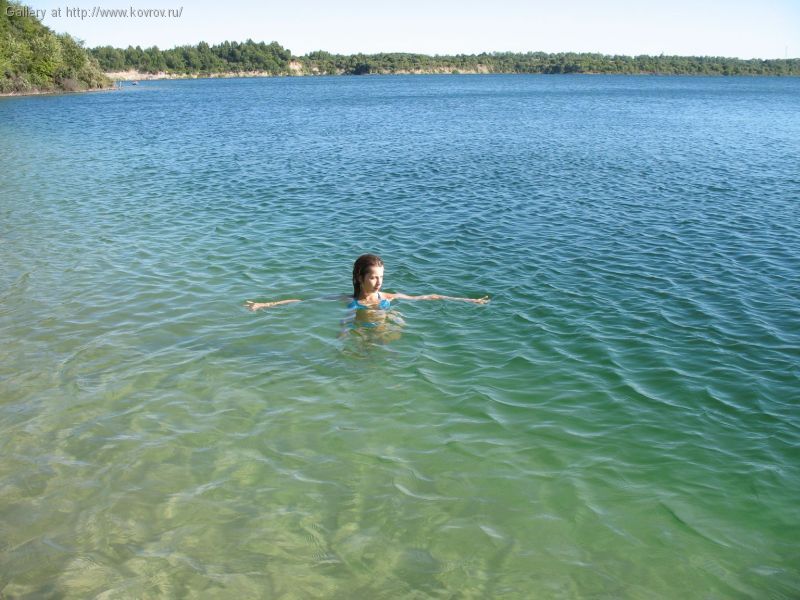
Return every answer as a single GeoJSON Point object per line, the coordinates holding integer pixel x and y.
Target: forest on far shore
{"type": "Point", "coordinates": [34, 59]}
{"type": "Point", "coordinates": [274, 59]}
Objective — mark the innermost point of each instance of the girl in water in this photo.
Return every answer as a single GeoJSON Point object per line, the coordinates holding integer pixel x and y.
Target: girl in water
{"type": "Point", "coordinates": [367, 296]}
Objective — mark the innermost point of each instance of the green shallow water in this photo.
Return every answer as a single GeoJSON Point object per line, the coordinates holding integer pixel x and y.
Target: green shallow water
{"type": "Point", "coordinates": [619, 422]}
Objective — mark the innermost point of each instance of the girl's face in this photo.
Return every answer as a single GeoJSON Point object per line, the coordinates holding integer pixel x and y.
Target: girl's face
{"type": "Point", "coordinates": [372, 280]}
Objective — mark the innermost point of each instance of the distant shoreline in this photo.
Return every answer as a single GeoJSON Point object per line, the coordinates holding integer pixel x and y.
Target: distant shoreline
{"type": "Point", "coordinates": [129, 76]}
{"type": "Point", "coordinates": [110, 88]}
{"type": "Point", "coordinates": [258, 59]}
{"type": "Point", "coordinates": [137, 76]}
{"type": "Point", "coordinates": [295, 69]}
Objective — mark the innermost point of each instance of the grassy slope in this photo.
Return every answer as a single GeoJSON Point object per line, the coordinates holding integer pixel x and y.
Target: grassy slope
{"type": "Point", "coordinates": [33, 59]}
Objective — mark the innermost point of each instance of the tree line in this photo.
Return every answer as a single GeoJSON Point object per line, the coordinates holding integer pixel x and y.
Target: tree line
{"type": "Point", "coordinates": [274, 59]}
{"type": "Point", "coordinates": [34, 59]}
{"type": "Point", "coordinates": [543, 63]}
{"type": "Point", "coordinates": [248, 56]}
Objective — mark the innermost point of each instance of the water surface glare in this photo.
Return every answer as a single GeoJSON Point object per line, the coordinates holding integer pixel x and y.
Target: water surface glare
{"type": "Point", "coordinates": [621, 421]}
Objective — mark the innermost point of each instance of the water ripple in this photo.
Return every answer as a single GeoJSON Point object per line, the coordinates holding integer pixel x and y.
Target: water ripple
{"type": "Point", "coordinates": [630, 389]}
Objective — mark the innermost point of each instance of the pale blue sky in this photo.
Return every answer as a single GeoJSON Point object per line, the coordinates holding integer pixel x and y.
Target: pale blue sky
{"type": "Point", "coordinates": [736, 28]}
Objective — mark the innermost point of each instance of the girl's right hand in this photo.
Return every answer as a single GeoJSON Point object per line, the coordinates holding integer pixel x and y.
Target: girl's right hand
{"type": "Point", "coordinates": [256, 305]}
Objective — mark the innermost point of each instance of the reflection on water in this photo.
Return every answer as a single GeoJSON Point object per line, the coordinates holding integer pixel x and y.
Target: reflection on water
{"type": "Point", "coordinates": [369, 327]}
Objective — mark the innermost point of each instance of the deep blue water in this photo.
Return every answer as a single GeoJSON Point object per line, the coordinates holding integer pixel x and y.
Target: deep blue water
{"type": "Point", "coordinates": [621, 421]}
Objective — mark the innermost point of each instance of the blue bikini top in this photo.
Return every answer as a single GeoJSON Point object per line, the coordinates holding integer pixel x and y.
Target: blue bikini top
{"type": "Point", "coordinates": [383, 304]}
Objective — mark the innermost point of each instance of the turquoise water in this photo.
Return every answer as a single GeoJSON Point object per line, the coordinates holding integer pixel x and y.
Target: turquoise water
{"type": "Point", "coordinates": [621, 421]}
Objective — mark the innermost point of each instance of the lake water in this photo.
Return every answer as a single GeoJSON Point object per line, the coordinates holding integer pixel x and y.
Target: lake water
{"type": "Point", "coordinates": [621, 421]}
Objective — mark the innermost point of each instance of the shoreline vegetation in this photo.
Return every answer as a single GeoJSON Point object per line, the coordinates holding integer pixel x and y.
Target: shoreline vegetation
{"type": "Point", "coordinates": [258, 59]}
{"type": "Point", "coordinates": [35, 60]}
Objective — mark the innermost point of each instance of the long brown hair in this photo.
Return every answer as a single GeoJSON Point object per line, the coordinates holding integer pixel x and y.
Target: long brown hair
{"type": "Point", "coordinates": [360, 268]}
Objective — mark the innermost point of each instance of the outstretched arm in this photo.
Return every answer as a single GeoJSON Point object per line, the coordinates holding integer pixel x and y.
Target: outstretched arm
{"type": "Point", "coordinates": [259, 305]}
{"type": "Point", "coordinates": [483, 300]}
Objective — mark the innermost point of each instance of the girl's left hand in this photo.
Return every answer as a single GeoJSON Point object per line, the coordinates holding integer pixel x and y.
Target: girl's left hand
{"type": "Point", "coordinates": [254, 306]}
{"type": "Point", "coordinates": [483, 300]}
